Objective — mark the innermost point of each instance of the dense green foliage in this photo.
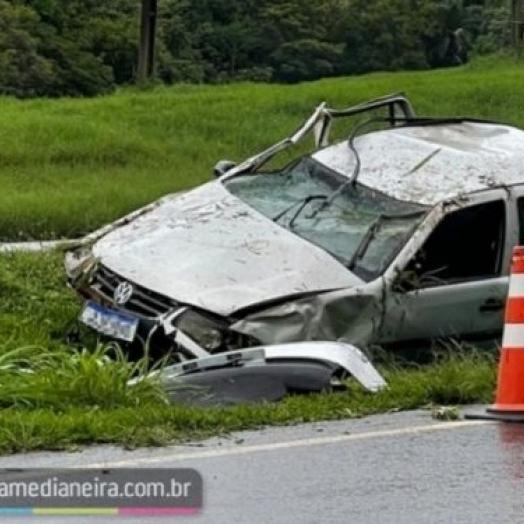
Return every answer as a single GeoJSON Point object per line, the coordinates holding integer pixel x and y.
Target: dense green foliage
{"type": "Point", "coordinates": [86, 47]}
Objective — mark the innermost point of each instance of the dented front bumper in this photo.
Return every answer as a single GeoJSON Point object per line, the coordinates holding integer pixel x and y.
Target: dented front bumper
{"type": "Point", "coordinates": [269, 372]}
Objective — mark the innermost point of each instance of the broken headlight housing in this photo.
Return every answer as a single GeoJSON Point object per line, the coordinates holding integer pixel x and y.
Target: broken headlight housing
{"type": "Point", "coordinates": [77, 261]}
{"type": "Point", "coordinates": [212, 334]}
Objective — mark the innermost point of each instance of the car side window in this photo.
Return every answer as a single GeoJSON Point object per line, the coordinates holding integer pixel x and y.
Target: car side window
{"type": "Point", "coordinates": [466, 245]}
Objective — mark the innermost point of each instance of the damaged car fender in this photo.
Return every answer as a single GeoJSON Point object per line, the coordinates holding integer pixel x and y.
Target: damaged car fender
{"type": "Point", "coordinates": [285, 368]}
{"type": "Point", "coordinates": [339, 355]}
{"type": "Point", "coordinates": [343, 315]}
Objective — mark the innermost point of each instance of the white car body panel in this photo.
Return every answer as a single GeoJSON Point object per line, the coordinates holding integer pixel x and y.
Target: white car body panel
{"type": "Point", "coordinates": [430, 164]}
{"type": "Point", "coordinates": [345, 356]}
{"type": "Point", "coordinates": [209, 249]}
{"type": "Point", "coordinates": [336, 354]}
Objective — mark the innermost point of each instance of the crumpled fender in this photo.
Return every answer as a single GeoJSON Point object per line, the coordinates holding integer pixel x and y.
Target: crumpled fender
{"type": "Point", "coordinates": [338, 354]}
{"type": "Point", "coordinates": [340, 315]}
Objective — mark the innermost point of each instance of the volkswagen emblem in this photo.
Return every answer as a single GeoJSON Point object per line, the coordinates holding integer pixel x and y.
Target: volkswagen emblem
{"type": "Point", "coordinates": [123, 293]}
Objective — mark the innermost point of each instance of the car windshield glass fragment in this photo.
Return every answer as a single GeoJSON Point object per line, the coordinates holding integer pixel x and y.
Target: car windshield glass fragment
{"type": "Point", "coordinates": [295, 198]}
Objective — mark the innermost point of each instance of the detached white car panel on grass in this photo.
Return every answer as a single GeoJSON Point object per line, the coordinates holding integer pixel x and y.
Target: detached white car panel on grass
{"type": "Point", "coordinates": [335, 355]}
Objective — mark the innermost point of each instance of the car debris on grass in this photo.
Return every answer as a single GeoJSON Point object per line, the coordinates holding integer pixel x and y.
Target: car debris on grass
{"type": "Point", "coordinates": [393, 237]}
{"type": "Point", "coordinates": [35, 246]}
{"type": "Point", "coordinates": [267, 373]}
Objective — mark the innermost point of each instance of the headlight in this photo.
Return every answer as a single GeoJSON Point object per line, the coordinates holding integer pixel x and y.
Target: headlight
{"type": "Point", "coordinates": [206, 332]}
{"type": "Point", "coordinates": [77, 261]}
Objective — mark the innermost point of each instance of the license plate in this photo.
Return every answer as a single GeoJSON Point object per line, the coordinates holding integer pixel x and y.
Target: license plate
{"type": "Point", "coordinates": [109, 322]}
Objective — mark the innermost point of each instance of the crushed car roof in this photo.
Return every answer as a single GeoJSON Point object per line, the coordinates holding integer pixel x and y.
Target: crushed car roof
{"type": "Point", "coordinates": [431, 163]}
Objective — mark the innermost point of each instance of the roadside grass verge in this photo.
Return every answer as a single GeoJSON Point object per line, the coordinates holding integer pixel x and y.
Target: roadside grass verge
{"type": "Point", "coordinates": [36, 308]}
{"type": "Point", "coordinates": [467, 378]}
{"type": "Point", "coordinates": [33, 378]}
{"type": "Point", "coordinates": [68, 166]}
{"type": "Point", "coordinates": [53, 397]}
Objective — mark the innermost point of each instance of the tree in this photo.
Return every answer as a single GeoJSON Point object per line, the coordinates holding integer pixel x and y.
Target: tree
{"type": "Point", "coordinates": [85, 47]}
{"type": "Point", "coordinates": [305, 59]}
{"type": "Point", "coordinates": [386, 34]}
{"type": "Point", "coordinates": [24, 71]}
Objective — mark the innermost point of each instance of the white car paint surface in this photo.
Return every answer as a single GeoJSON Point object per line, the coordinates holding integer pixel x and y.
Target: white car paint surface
{"type": "Point", "coordinates": [209, 249]}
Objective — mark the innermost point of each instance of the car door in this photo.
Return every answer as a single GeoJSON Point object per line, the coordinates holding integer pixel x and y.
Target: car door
{"type": "Point", "coordinates": [456, 283]}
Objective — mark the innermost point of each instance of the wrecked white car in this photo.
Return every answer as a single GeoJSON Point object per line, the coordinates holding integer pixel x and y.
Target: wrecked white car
{"type": "Point", "coordinates": [391, 237]}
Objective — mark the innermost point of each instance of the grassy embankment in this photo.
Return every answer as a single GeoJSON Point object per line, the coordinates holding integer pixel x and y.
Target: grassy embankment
{"type": "Point", "coordinates": [68, 166]}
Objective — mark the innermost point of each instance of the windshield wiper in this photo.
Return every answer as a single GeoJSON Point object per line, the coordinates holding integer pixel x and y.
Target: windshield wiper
{"type": "Point", "coordinates": [302, 203]}
{"type": "Point", "coordinates": [371, 231]}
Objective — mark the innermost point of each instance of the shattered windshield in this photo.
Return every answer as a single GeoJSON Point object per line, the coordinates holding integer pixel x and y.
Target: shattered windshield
{"type": "Point", "coordinates": [362, 228]}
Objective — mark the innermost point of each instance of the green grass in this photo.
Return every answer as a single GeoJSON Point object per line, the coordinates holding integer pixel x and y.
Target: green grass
{"type": "Point", "coordinates": [46, 424]}
{"type": "Point", "coordinates": [456, 380]}
{"type": "Point", "coordinates": [68, 166]}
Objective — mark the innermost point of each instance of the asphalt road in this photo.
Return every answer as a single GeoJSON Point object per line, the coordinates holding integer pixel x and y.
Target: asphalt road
{"type": "Point", "coordinates": [401, 468]}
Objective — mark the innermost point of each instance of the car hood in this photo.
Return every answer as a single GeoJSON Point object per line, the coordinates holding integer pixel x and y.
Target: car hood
{"type": "Point", "coordinates": [209, 249]}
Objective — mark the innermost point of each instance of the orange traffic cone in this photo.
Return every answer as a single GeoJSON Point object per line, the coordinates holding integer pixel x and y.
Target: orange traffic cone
{"type": "Point", "coordinates": [509, 403]}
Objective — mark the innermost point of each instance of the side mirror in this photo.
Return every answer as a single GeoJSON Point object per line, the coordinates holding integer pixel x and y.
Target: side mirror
{"type": "Point", "coordinates": [222, 167]}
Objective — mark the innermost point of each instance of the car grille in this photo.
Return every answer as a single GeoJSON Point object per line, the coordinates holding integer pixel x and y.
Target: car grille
{"type": "Point", "coordinates": [143, 302]}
